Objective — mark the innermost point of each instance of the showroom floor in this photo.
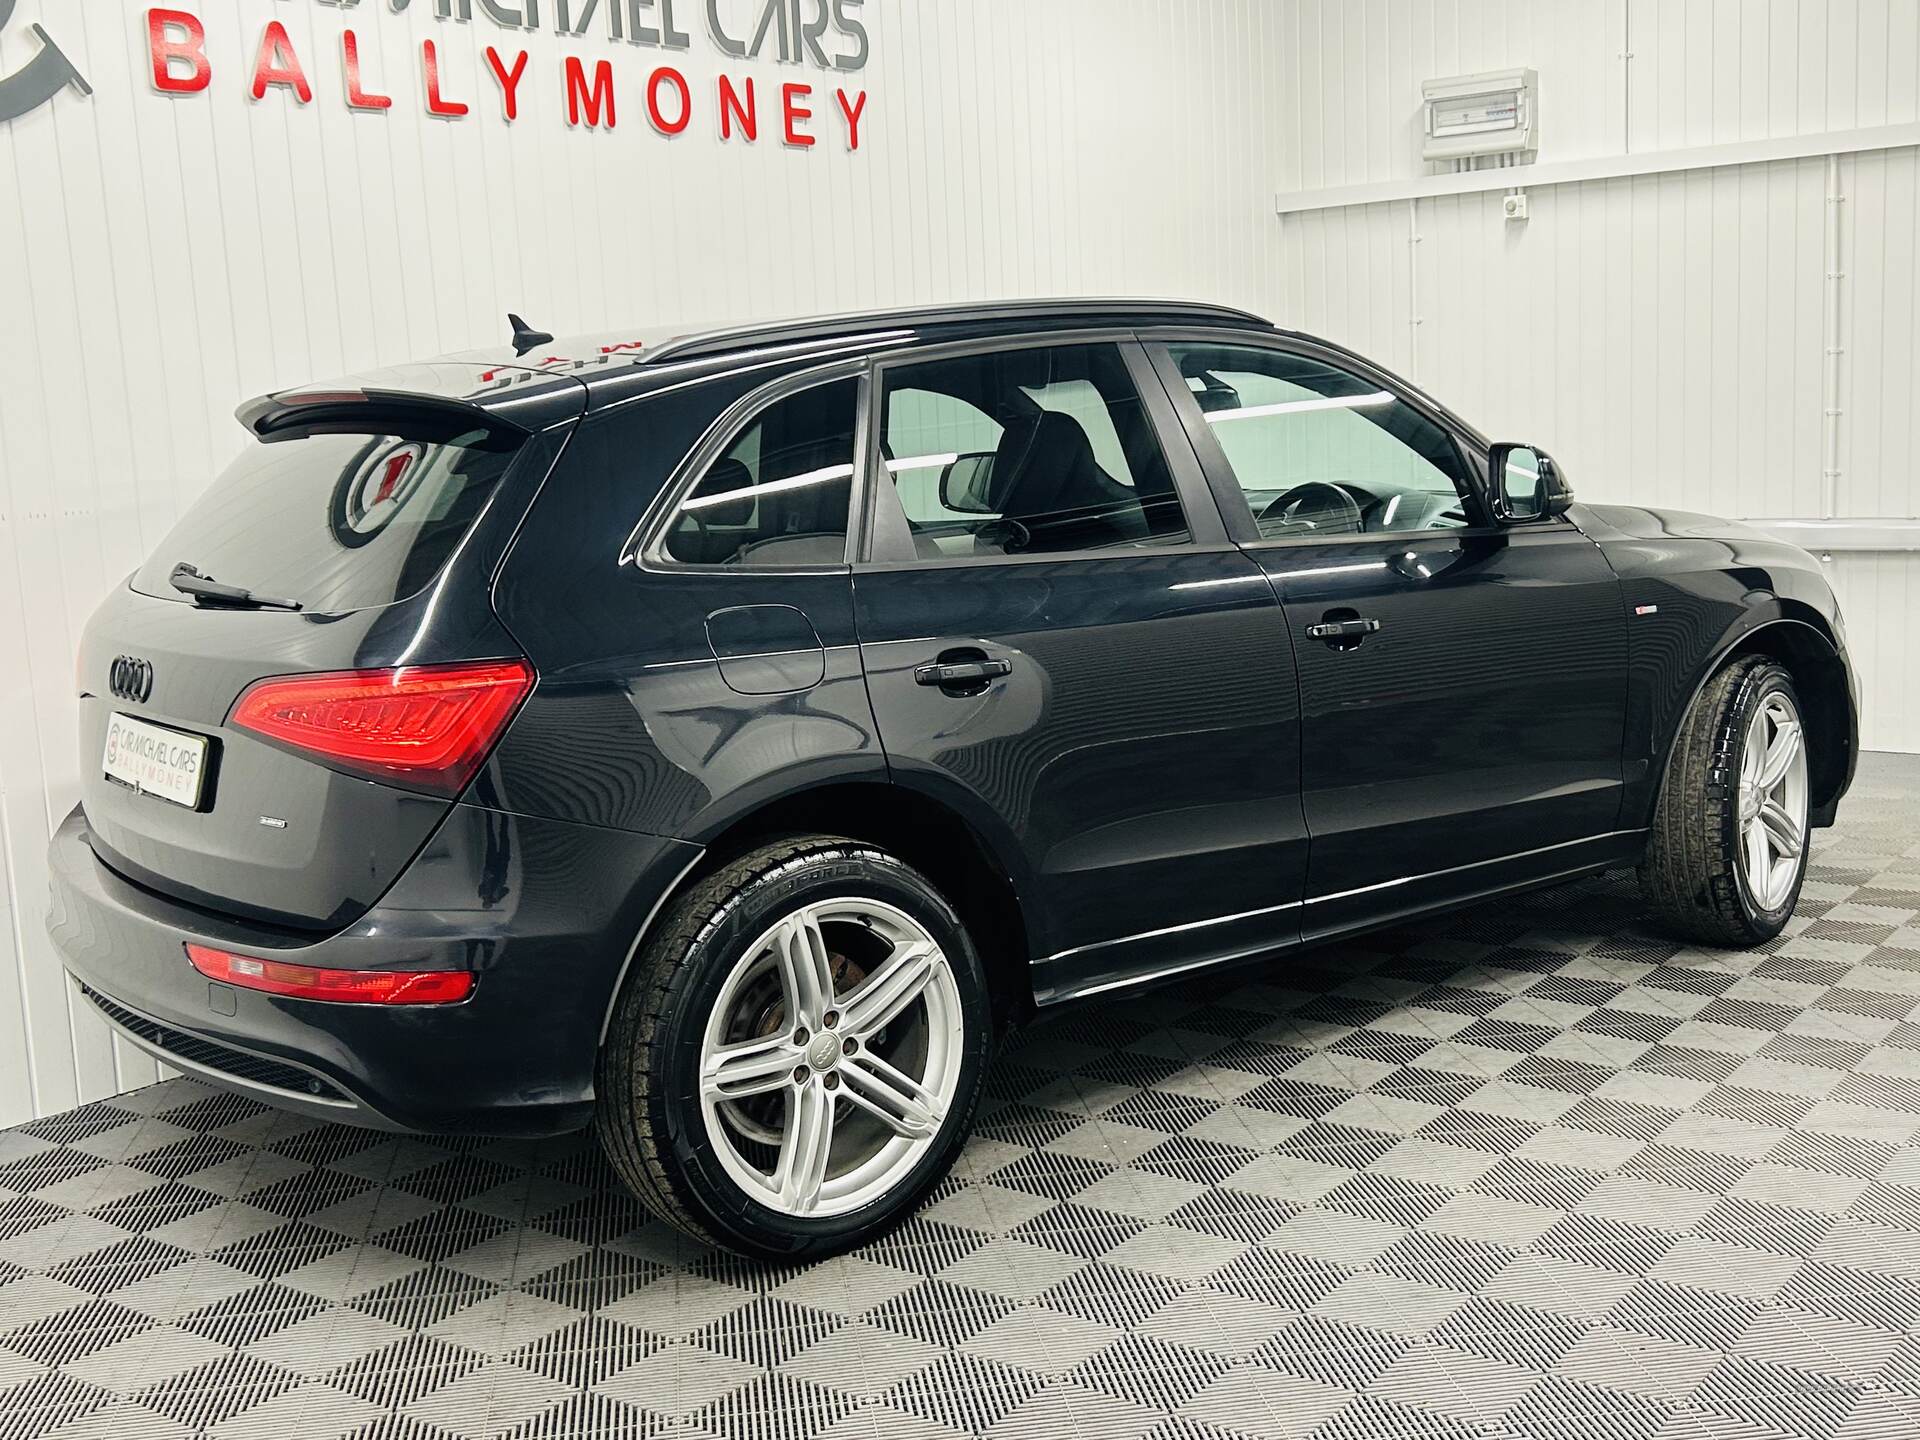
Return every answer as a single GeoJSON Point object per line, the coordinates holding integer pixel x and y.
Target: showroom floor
{"type": "Point", "coordinates": [1531, 1172]}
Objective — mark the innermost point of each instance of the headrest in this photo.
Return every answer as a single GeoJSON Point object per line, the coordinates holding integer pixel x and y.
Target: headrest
{"type": "Point", "coordinates": [1044, 463]}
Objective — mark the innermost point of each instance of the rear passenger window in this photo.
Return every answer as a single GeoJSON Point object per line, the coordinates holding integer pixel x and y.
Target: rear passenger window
{"type": "Point", "coordinates": [1026, 452]}
{"type": "Point", "coordinates": [779, 494]}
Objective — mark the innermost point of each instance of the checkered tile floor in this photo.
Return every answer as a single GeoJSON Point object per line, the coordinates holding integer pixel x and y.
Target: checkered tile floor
{"type": "Point", "coordinates": [1533, 1171]}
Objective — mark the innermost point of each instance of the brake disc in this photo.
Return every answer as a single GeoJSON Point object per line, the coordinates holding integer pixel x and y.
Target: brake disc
{"type": "Point", "coordinates": [761, 1012]}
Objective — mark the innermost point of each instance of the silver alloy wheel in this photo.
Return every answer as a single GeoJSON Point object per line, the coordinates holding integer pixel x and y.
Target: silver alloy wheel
{"type": "Point", "coordinates": [1773, 800]}
{"type": "Point", "coordinates": [853, 1063]}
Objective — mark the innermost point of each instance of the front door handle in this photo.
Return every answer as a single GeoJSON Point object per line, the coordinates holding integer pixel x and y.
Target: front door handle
{"type": "Point", "coordinates": [1342, 629]}
{"type": "Point", "coordinates": [953, 673]}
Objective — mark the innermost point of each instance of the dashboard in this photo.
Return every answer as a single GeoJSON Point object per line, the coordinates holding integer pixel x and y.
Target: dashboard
{"type": "Point", "coordinates": [1328, 507]}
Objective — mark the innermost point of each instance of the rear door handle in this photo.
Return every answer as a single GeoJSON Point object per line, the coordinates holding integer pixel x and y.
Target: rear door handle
{"type": "Point", "coordinates": [961, 672]}
{"type": "Point", "coordinates": [1342, 629]}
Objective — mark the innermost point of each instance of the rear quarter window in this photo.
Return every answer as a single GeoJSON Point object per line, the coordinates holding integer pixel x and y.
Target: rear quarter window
{"type": "Point", "coordinates": [336, 522]}
{"type": "Point", "coordinates": [779, 493]}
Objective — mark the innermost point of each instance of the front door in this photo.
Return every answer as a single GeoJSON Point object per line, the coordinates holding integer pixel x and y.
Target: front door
{"type": "Point", "coordinates": [1060, 642]}
{"type": "Point", "coordinates": [1463, 686]}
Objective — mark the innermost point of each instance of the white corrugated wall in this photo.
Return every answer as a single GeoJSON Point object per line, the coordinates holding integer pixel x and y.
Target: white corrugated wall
{"type": "Point", "coordinates": [1664, 335]}
{"type": "Point", "coordinates": [162, 258]}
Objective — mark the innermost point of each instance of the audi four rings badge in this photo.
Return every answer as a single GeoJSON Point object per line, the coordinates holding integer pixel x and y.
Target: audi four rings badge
{"type": "Point", "coordinates": [130, 678]}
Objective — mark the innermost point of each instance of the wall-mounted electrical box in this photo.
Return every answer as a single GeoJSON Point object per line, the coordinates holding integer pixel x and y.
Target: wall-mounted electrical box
{"type": "Point", "coordinates": [1491, 114]}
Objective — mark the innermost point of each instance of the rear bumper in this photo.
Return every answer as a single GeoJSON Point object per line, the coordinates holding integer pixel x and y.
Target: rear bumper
{"type": "Point", "coordinates": [543, 911]}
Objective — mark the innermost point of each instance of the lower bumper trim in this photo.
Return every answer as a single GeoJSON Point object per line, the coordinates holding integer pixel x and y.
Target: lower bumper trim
{"type": "Point", "coordinates": [272, 1079]}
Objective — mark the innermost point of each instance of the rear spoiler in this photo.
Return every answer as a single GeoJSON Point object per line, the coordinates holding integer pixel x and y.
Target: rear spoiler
{"type": "Point", "coordinates": [296, 414]}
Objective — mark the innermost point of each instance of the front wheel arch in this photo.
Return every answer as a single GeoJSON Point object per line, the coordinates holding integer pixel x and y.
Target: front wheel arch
{"type": "Point", "coordinates": [1698, 874]}
{"type": "Point", "coordinates": [1826, 695]}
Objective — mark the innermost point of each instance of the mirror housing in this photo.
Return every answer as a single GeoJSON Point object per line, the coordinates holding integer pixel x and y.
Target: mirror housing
{"type": "Point", "coordinates": [964, 482]}
{"type": "Point", "coordinates": [1525, 487]}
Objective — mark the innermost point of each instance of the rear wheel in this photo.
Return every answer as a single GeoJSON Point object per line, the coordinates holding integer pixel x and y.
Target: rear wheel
{"type": "Point", "coordinates": [797, 1054]}
{"type": "Point", "coordinates": [1728, 853]}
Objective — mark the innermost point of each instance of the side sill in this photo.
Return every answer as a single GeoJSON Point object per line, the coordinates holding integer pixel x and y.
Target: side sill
{"type": "Point", "coordinates": [1059, 980]}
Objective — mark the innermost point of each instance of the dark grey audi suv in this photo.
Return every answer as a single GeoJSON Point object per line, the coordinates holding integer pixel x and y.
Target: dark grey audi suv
{"type": "Point", "coordinates": [719, 738]}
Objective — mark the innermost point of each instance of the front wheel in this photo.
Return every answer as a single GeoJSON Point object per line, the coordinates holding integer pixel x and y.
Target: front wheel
{"type": "Point", "coordinates": [1729, 847]}
{"type": "Point", "coordinates": [796, 1058]}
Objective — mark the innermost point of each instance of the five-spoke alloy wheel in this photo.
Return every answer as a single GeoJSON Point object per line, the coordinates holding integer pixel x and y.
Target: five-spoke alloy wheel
{"type": "Point", "coordinates": [832, 1056]}
{"type": "Point", "coordinates": [1773, 799]}
{"type": "Point", "coordinates": [796, 1055]}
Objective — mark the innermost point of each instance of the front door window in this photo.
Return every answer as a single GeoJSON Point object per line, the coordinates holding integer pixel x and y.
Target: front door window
{"type": "Point", "coordinates": [1318, 451]}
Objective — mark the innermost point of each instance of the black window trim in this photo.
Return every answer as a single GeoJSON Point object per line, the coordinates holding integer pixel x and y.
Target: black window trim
{"type": "Point", "coordinates": [1206, 528]}
{"type": "Point", "coordinates": [1232, 500]}
{"type": "Point", "coordinates": [646, 545]}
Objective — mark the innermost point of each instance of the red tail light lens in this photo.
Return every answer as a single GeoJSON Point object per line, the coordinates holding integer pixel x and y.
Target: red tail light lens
{"type": "Point", "coordinates": [353, 987]}
{"type": "Point", "coordinates": [427, 727]}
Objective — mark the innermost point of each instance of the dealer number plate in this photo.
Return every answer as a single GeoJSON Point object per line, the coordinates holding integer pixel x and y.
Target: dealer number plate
{"type": "Point", "coordinates": [155, 760]}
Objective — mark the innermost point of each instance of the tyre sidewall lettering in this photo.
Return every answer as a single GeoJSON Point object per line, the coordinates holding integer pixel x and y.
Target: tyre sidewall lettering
{"type": "Point", "coordinates": [742, 918]}
{"type": "Point", "coordinates": [1693, 873]}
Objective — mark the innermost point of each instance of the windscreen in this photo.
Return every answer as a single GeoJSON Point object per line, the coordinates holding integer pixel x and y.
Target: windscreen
{"type": "Point", "coordinates": [334, 522]}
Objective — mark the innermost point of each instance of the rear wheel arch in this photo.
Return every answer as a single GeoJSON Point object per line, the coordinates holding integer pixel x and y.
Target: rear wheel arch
{"type": "Point", "coordinates": [927, 833]}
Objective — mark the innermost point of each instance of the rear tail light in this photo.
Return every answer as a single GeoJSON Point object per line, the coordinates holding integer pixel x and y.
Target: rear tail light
{"type": "Point", "coordinates": [353, 987]}
{"type": "Point", "coordinates": [427, 727]}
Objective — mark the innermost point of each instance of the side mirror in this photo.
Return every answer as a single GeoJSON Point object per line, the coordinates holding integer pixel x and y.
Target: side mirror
{"type": "Point", "coordinates": [964, 484]}
{"type": "Point", "coordinates": [1212, 393]}
{"type": "Point", "coordinates": [1526, 485]}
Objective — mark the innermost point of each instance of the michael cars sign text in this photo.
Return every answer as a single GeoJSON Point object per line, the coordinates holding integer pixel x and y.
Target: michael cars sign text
{"type": "Point", "coordinates": [639, 83]}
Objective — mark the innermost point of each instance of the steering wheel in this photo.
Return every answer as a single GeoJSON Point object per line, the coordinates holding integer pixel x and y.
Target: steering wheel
{"type": "Point", "coordinates": [1010, 535]}
{"type": "Point", "coordinates": [1317, 505]}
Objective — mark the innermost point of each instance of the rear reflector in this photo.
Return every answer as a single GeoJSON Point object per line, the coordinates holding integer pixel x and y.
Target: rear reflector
{"type": "Point", "coordinates": [352, 987]}
{"type": "Point", "coordinates": [428, 727]}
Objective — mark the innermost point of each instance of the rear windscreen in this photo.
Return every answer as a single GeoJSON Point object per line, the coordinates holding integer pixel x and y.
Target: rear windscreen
{"type": "Point", "coordinates": [335, 522]}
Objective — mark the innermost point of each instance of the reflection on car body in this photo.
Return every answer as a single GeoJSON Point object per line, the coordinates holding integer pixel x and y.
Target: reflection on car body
{"type": "Point", "coordinates": [722, 741]}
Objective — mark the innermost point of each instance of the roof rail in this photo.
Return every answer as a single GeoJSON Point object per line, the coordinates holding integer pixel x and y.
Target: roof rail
{"type": "Point", "coordinates": [831, 327]}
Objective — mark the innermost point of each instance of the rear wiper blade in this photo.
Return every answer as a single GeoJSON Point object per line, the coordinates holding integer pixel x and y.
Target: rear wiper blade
{"type": "Point", "coordinates": [208, 591]}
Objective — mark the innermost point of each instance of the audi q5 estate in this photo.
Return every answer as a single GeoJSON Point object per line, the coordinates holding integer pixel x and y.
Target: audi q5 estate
{"type": "Point", "coordinates": [720, 738]}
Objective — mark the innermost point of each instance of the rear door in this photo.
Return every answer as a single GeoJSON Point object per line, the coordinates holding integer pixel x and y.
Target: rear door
{"type": "Point", "coordinates": [1059, 641]}
{"type": "Point", "coordinates": [1463, 685]}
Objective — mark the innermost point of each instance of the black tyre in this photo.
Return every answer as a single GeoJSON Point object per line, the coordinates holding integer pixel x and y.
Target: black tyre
{"type": "Point", "coordinates": [1728, 852]}
{"type": "Point", "coordinates": [798, 1051]}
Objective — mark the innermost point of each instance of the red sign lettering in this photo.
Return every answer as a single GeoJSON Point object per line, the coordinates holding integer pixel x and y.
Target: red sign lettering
{"type": "Point", "coordinates": [592, 103]}
{"type": "Point", "coordinates": [790, 98]}
{"type": "Point", "coordinates": [189, 50]}
{"type": "Point", "coordinates": [357, 94]}
{"type": "Point", "coordinates": [437, 104]}
{"type": "Point", "coordinates": [509, 80]}
{"type": "Point", "coordinates": [678, 82]}
{"type": "Point", "coordinates": [276, 64]}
